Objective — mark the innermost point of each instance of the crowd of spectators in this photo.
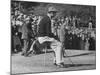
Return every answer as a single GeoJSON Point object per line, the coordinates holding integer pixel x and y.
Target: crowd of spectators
{"type": "Point", "coordinates": [76, 37]}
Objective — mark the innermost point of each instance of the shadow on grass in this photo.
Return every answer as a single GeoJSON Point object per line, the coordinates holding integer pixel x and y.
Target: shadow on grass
{"type": "Point", "coordinates": [83, 54]}
{"type": "Point", "coordinates": [76, 65]}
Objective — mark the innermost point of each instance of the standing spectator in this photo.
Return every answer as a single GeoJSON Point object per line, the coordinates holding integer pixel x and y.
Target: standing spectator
{"type": "Point", "coordinates": [62, 35]}
{"type": "Point", "coordinates": [90, 24]}
{"type": "Point", "coordinates": [16, 43]}
{"type": "Point", "coordinates": [74, 39]}
{"type": "Point", "coordinates": [70, 40]}
{"type": "Point", "coordinates": [87, 44]}
{"type": "Point", "coordinates": [92, 44]}
{"type": "Point", "coordinates": [82, 42]}
{"type": "Point", "coordinates": [27, 35]}
{"type": "Point", "coordinates": [78, 40]}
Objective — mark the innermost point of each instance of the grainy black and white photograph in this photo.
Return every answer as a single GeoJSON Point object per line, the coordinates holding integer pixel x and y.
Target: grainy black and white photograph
{"type": "Point", "coordinates": [52, 37]}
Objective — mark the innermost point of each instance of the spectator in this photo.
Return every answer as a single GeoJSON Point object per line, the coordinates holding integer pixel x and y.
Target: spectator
{"type": "Point", "coordinates": [27, 35]}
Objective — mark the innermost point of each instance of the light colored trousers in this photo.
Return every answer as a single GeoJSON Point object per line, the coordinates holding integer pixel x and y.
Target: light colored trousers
{"type": "Point", "coordinates": [56, 46]}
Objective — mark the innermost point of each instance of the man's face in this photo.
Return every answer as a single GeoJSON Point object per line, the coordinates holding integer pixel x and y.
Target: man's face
{"type": "Point", "coordinates": [52, 14]}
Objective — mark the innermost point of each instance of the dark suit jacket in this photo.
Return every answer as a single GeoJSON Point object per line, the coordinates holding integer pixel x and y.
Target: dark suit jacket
{"type": "Point", "coordinates": [45, 27]}
{"type": "Point", "coordinates": [27, 32]}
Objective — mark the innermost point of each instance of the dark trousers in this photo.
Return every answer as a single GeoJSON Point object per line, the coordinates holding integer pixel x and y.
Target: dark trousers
{"type": "Point", "coordinates": [27, 45]}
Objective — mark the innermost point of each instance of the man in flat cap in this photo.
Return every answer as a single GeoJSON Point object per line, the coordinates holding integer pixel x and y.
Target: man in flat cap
{"type": "Point", "coordinates": [45, 35]}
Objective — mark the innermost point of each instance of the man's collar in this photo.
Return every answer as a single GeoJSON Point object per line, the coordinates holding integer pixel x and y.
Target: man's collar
{"type": "Point", "coordinates": [49, 16]}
